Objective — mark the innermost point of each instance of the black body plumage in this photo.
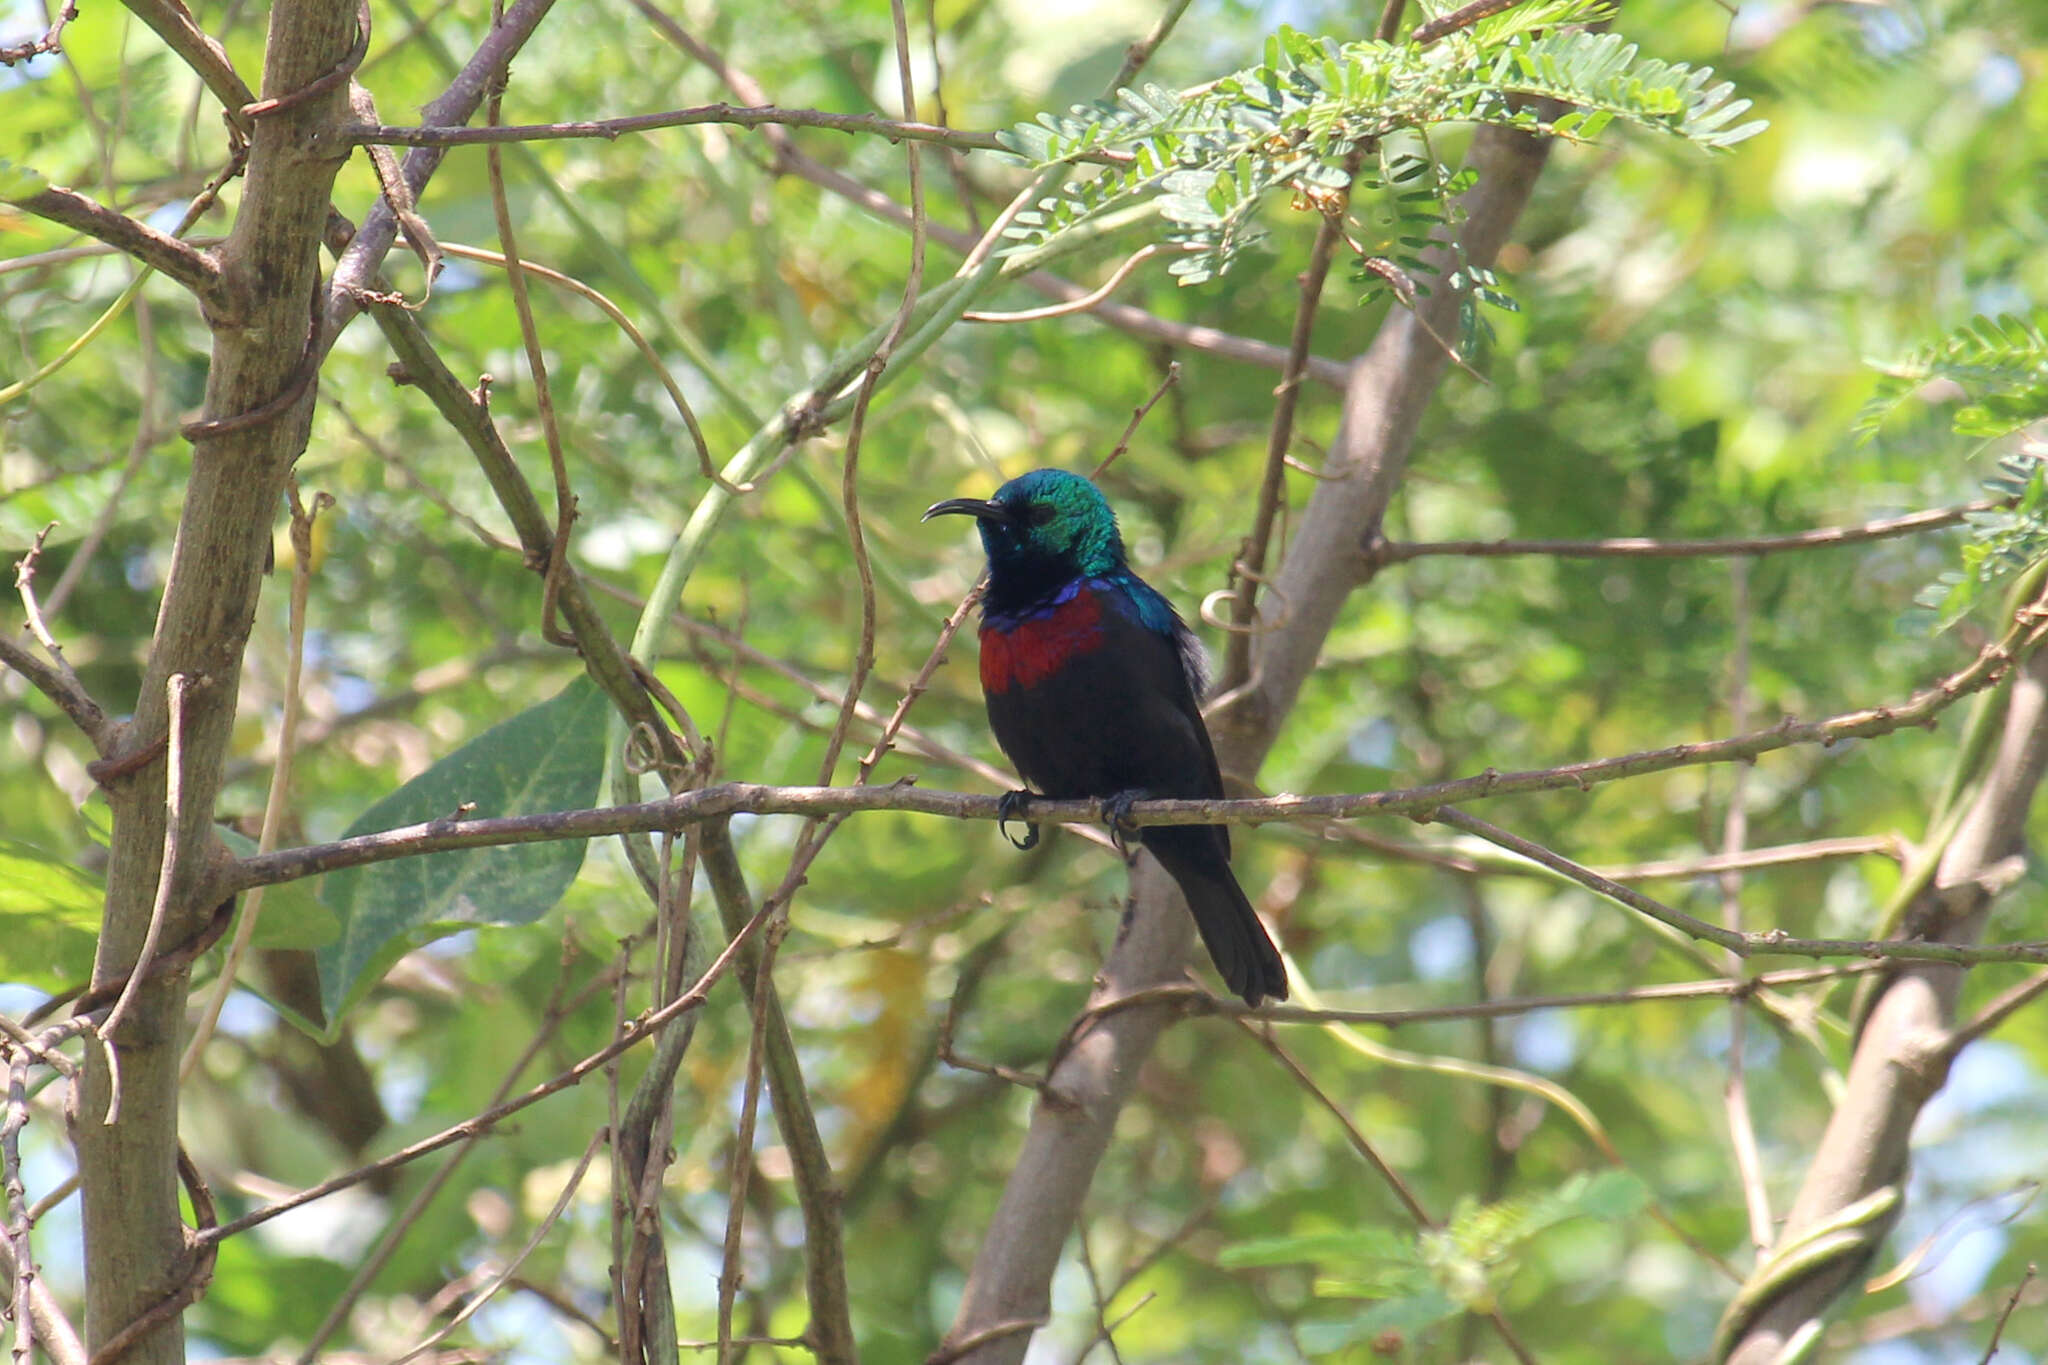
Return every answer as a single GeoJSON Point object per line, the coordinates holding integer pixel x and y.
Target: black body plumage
{"type": "Point", "coordinates": [1093, 683]}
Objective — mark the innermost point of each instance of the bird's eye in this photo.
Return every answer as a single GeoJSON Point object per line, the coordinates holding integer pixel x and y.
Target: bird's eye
{"type": "Point", "coordinates": [1039, 514]}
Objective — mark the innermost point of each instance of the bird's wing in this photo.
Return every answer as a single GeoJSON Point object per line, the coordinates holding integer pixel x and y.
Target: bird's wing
{"type": "Point", "coordinates": [1166, 668]}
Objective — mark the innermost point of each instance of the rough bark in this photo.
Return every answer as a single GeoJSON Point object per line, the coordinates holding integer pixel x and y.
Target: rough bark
{"type": "Point", "coordinates": [1389, 388]}
{"type": "Point", "coordinates": [134, 1240]}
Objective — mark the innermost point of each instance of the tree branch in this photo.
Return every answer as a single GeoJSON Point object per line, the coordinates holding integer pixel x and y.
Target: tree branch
{"type": "Point", "coordinates": [730, 115]}
{"type": "Point", "coordinates": [358, 267]}
{"type": "Point", "coordinates": [71, 698]}
{"type": "Point", "coordinates": [706, 804]}
{"type": "Point", "coordinates": [1637, 547]}
{"type": "Point", "coordinates": [186, 264]}
{"type": "Point", "coordinates": [639, 1031]}
{"type": "Point", "coordinates": [182, 34]}
{"type": "Point", "coordinates": [1902, 1059]}
{"type": "Point", "coordinates": [256, 416]}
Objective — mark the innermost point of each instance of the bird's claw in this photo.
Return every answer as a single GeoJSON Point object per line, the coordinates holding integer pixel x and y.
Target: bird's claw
{"type": "Point", "coordinates": [1116, 813]}
{"type": "Point", "coordinates": [1010, 807]}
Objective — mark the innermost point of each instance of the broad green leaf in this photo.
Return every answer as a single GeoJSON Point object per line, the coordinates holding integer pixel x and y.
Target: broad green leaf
{"type": "Point", "coordinates": [549, 757]}
{"type": "Point", "coordinates": [49, 917]}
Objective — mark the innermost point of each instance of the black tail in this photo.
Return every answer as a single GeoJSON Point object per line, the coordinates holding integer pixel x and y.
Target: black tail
{"type": "Point", "coordinates": [1237, 943]}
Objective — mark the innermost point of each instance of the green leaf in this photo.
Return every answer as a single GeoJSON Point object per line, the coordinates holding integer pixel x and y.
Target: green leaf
{"type": "Point", "coordinates": [1999, 364]}
{"type": "Point", "coordinates": [49, 917]}
{"type": "Point", "coordinates": [19, 182]}
{"type": "Point", "coordinates": [549, 757]}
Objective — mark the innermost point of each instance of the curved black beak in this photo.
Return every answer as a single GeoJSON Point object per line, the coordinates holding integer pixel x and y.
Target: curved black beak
{"type": "Point", "coordinates": [973, 507]}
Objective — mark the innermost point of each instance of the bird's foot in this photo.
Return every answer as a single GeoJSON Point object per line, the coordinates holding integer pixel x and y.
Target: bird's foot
{"type": "Point", "coordinates": [1011, 807]}
{"type": "Point", "coordinates": [1116, 813]}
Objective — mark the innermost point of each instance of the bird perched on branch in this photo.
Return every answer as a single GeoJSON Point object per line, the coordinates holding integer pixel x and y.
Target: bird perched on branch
{"type": "Point", "coordinates": [1092, 683]}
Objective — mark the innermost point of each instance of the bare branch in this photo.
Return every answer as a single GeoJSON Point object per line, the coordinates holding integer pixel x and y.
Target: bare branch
{"type": "Point", "coordinates": [187, 264]}
{"type": "Point", "coordinates": [1081, 305]}
{"type": "Point", "coordinates": [52, 39]}
{"type": "Point", "coordinates": [736, 797]}
{"type": "Point", "coordinates": [356, 270]}
{"type": "Point", "coordinates": [66, 691]}
{"type": "Point", "coordinates": [1638, 547]}
{"type": "Point", "coordinates": [730, 115]}
{"type": "Point", "coordinates": [182, 34]}
{"type": "Point", "coordinates": [1902, 1058]}
{"type": "Point", "coordinates": [2005, 1313]}
{"type": "Point", "coordinates": [1248, 570]}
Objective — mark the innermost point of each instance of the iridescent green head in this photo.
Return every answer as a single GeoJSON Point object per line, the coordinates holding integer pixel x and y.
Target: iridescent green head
{"type": "Point", "coordinates": [1041, 530]}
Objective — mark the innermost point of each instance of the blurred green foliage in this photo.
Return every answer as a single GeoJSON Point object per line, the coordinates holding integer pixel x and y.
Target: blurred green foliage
{"type": "Point", "coordinates": [1690, 360]}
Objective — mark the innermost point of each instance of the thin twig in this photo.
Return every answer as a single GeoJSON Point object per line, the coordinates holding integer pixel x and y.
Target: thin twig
{"type": "Point", "coordinates": [1639, 547]}
{"type": "Point", "coordinates": [564, 1305]}
{"type": "Point", "coordinates": [1080, 305]}
{"type": "Point", "coordinates": [647, 1026]}
{"type": "Point", "coordinates": [2002, 1007]}
{"type": "Point", "coordinates": [20, 1243]}
{"type": "Point", "coordinates": [730, 115]}
{"type": "Point", "coordinates": [1123, 442]}
{"type": "Point", "coordinates": [1743, 945]}
{"type": "Point", "coordinates": [967, 1345]}
{"type": "Point", "coordinates": [1140, 52]}
{"type": "Point", "coordinates": [541, 1230]}
{"type": "Point", "coordinates": [1360, 1143]}
{"type": "Point", "coordinates": [919, 684]}
{"type": "Point", "coordinates": [66, 691]}
{"type": "Point", "coordinates": [743, 1147]}
{"type": "Point", "coordinates": [537, 366]}
{"type": "Point", "coordinates": [2005, 1314]}
{"type": "Point", "coordinates": [51, 41]}
{"type": "Point", "coordinates": [1247, 570]}
{"type": "Point", "coordinates": [1104, 1333]}
{"type": "Point", "coordinates": [553, 1014]}
{"type": "Point", "coordinates": [1461, 18]}
{"type": "Point", "coordinates": [25, 584]}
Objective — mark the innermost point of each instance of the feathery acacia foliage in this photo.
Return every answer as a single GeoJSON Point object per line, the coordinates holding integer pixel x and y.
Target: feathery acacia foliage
{"type": "Point", "coordinates": [1999, 368]}
{"type": "Point", "coordinates": [1210, 157]}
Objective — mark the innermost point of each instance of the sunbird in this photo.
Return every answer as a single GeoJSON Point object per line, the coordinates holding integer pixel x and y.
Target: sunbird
{"type": "Point", "coordinates": [1092, 681]}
